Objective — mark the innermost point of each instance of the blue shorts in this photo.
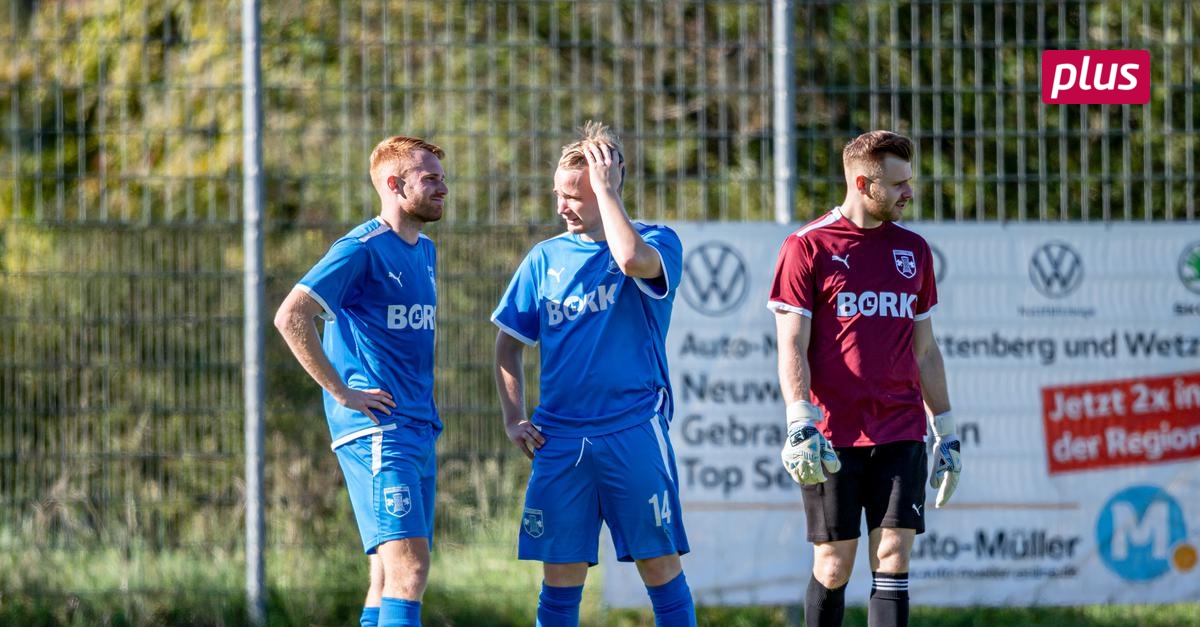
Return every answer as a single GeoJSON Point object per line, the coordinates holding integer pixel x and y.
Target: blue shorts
{"type": "Point", "coordinates": [627, 480]}
{"type": "Point", "coordinates": [391, 479]}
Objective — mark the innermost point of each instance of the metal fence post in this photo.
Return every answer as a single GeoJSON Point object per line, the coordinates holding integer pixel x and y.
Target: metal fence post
{"type": "Point", "coordinates": [252, 324]}
{"type": "Point", "coordinates": [784, 99]}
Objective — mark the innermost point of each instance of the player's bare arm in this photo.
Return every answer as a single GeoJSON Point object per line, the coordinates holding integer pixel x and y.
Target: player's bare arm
{"type": "Point", "coordinates": [947, 449]}
{"type": "Point", "coordinates": [633, 255]}
{"type": "Point", "coordinates": [295, 321]}
{"type": "Point", "coordinates": [793, 332]}
{"type": "Point", "coordinates": [510, 382]}
{"type": "Point", "coordinates": [807, 454]}
{"type": "Point", "coordinates": [931, 367]}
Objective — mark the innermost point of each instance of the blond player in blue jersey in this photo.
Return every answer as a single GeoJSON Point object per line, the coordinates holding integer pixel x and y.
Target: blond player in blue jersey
{"type": "Point", "coordinates": [598, 300]}
{"type": "Point", "coordinates": [376, 290]}
{"type": "Point", "coordinates": [853, 297]}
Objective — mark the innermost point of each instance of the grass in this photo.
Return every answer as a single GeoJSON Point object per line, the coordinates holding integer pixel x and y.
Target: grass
{"type": "Point", "coordinates": [478, 584]}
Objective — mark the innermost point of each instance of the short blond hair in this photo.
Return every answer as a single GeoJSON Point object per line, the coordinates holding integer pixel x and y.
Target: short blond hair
{"type": "Point", "coordinates": [572, 154]}
{"type": "Point", "coordinates": [394, 154]}
{"type": "Point", "coordinates": [870, 149]}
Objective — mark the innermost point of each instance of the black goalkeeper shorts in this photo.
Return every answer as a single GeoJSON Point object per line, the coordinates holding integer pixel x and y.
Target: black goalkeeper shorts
{"type": "Point", "coordinates": [886, 482]}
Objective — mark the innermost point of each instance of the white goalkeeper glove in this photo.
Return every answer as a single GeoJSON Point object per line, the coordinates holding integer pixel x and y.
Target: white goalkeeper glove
{"type": "Point", "coordinates": [806, 449]}
{"type": "Point", "coordinates": [947, 462]}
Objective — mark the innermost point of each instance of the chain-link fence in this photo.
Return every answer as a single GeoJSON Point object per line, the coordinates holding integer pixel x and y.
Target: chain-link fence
{"type": "Point", "coordinates": [121, 188]}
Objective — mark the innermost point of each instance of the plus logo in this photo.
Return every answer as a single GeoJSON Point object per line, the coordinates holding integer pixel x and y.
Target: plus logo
{"type": "Point", "coordinates": [1095, 76]}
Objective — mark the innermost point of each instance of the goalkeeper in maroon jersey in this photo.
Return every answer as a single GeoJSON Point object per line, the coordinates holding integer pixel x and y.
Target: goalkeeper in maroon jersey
{"type": "Point", "coordinates": [861, 374]}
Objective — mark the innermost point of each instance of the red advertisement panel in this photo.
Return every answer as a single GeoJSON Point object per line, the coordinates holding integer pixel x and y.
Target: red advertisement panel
{"type": "Point", "coordinates": [1125, 422]}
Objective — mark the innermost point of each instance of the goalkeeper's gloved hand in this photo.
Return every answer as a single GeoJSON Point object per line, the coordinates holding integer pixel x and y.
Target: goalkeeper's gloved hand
{"type": "Point", "coordinates": [947, 463]}
{"type": "Point", "coordinates": [806, 449]}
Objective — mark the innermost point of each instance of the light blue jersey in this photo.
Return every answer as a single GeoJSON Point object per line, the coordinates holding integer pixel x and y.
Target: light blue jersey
{"type": "Point", "coordinates": [379, 294]}
{"type": "Point", "coordinates": [602, 334]}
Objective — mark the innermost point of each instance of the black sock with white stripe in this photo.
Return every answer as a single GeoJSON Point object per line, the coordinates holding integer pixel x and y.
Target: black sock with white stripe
{"type": "Point", "coordinates": [889, 600]}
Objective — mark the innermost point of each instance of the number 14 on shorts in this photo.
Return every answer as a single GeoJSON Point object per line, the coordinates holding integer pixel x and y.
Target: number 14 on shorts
{"type": "Point", "coordinates": [662, 509]}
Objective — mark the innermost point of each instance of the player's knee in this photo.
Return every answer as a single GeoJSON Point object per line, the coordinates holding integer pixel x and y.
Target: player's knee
{"type": "Point", "coordinates": [896, 562]}
{"type": "Point", "coordinates": [832, 573]}
{"type": "Point", "coordinates": [892, 554]}
{"type": "Point", "coordinates": [657, 571]}
{"type": "Point", "coordinates": [564, 575]}
{"type": "Point", "coordinates": [833, 562]}
{"type": "Point", "coordinates": [405, 567]}
{"type": "Point", "coordinates": [406, 581]}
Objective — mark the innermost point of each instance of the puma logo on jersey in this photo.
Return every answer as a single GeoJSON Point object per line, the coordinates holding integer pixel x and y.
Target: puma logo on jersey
{"type": "Point", "coordinates": [396, 275]}
{"type": "Point", "coordinates": [845, 260]}
{"type": "Point", "coordinates": [876, 304]}
{"type": "Point", "coordinates": [597, 300]}
{"type": "Point", "coordinates": [557, 274]}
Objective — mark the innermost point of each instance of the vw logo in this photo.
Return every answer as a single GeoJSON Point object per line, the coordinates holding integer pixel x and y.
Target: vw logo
{"type": "Point", "coordinates": [1056, 269]}
{"type": "Point", "coordinates": [1189, 267]}
{"type": "Point", "coordinates": [715, 279]}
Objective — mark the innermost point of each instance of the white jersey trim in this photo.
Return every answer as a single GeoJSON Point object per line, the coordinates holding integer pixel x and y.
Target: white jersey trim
{"type": "Point", "coordinates": [517, 336]}
{"type": "Point", "coordinates": [833, 216]}
{"type": "Point", "coordinates": [379, 230]}
{"type": "Point", "coordinates": [647, 289]}
{"type": "Point", "coordinates": [376, 452]}
{"type": "Point", "coordinates": [830, 218]}
{"type": "Point", "coordinates": [326, 313]}
{"type": "Point", "coordinates": [350, 437]}
{"type": "Point", "coordinates": [927, 314]}
{"type": "Point", "coordinates": [662, 444]}
{"type": "Point", "coordinates": [775, 305]}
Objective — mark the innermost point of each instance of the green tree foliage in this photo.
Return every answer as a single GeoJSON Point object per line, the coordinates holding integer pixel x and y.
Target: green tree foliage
{"type": "Point", "coordinates": [121, 199]}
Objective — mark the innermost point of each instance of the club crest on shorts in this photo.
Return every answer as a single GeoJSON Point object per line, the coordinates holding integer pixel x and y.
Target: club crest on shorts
{"type": "Point", "coordinates": [532, 523]}
{"type": "Point", "coordinates": [906, 263]}
{"type": "Point", "coordinates": [397, 501]}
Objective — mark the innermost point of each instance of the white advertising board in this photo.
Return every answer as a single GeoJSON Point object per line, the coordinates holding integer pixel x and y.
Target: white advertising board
{"type": "Point", "coordinates": [1073, 357]}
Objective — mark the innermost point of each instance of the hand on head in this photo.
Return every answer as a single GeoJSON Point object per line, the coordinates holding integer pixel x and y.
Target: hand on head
{"type": "Point", "coordinates": [606, 165]}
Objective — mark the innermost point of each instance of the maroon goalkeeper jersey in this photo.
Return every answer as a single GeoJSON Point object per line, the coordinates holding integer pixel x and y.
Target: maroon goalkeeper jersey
{"type": "Point", "coordinates": [863, 290]}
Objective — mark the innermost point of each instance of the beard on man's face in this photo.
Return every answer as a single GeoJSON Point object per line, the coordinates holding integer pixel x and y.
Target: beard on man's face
{"type": "Point", "coordinates": [425, 211]}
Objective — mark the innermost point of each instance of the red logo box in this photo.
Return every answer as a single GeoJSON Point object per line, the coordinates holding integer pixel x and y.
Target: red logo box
{"type": "Point", "coordinates": [1095, 76]}
{"type": "Point", "coordinates": [1124, 422]}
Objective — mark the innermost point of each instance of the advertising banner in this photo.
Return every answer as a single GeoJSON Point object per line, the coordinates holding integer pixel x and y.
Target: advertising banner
{"type": "Point", "coordinates": [1072, 354]}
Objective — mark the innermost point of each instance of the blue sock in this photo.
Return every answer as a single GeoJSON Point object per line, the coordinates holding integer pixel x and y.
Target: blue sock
{"type": "Point", "coordinates": [369, 618]}
{"type": "Point", "coordinates": [559, 607]}
{"type": "Point", "coordinates": [672, 603]}
{"type": "Point", "coordinates": [399, 613]}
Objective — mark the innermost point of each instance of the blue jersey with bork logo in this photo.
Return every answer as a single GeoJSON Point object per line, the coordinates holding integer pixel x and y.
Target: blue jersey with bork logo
{"type": "Point", "coordinates": [602, 334]}
{"type": "Point", "coordinates": [380, 299]}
